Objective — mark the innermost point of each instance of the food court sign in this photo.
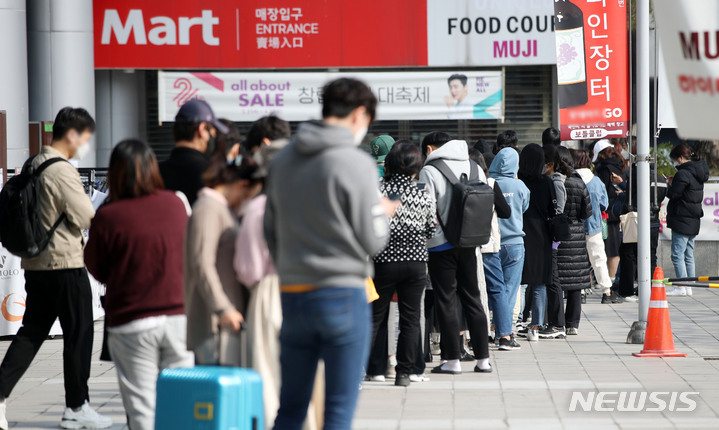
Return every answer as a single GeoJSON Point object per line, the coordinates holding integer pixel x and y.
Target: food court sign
{"type": "Point", "coordinates": [241, 96]}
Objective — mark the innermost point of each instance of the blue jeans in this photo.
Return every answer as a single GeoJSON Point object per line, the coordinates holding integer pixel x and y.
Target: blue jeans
{"type": "Point", "coordinates": [539, 304]}
{"type": "Point", "coordinates": [512, 258]}
{"type": "Point", "coordinates": [683, 255]}
{"type": "Point", "coordinates": [332, 324]}
{"type": "Point", "coordinates": [497, 294]}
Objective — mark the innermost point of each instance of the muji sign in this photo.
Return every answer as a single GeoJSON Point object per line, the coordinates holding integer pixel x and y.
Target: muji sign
{"type": "Point", "coordinates": [228, 34]}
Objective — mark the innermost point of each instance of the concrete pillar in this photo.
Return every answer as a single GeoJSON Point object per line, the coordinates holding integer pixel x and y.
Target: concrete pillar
{"type": "Point", "coordinates": [61, 66]}
{"type": "Point", "coordinates": [13, 79]}
{"type": "Point", "coordinates": [120, 112]}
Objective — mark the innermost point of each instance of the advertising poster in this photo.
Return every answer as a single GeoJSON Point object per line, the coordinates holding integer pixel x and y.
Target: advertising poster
{"type": "Point", "coordinates": [689, 32]}
{"type": "Point", "coordinates": [709, 229]}
{"type": "Point", "coordinates": [592, 68]}
{"type": "Point", "coordinates": [241, 96]}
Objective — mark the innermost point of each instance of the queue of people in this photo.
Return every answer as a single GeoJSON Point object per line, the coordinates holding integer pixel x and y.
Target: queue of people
{"type": "Point", "coordinates": [266, 252]}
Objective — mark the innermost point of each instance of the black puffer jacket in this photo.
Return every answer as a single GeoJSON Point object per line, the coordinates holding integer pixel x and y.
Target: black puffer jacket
{"type": "Point", "coordinates": [573, 260]}
{"type": "Point", "coordinates": [684, 210]}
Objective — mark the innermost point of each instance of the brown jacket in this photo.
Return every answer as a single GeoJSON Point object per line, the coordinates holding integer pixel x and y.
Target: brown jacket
{"type": "Point", "coordinates": [211, 285]}
{"type": "Point", "coordinates": [61, 191]}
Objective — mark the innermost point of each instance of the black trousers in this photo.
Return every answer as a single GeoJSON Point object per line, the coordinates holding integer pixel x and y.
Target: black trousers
{"type": "Point", "coordinates": [409, 280]}
{"type": "Point", "coordinates": [64, 294]}
{"type": "Point", "coordinates": [555, 297]}
{"type": "Point", "coordinates": [454, 277]}
{"type": "Point", "coordinates": [574, 308]}
{"type": "Point", "coordinates": [628, 263]}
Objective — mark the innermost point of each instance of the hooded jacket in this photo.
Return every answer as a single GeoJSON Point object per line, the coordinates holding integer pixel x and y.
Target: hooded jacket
{"type": "Point", "coordinates": [456, 154]}
{"type": "Point", "coordinates": [600, 201]}
{"type": "Point", "coordinates": [684, 211]}
{"type": "Point", "coordinates": [504, 170]}
{"type": "Point", "coordinates": [323, 218]}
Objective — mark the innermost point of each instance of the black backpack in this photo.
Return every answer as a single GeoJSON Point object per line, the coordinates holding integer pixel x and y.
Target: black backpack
{"type": "Point", "coordinates": [469, 223]}
{"type": "Point", "coordinates": [21, 230]}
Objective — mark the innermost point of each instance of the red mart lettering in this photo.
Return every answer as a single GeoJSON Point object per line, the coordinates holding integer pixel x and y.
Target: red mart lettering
{"type": "Point", "coordinates": [164, 30]}
{"type": "Point", "coordinates": [695, 84]}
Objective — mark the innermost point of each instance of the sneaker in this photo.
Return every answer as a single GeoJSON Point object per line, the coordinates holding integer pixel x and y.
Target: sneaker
{"type": "Point", "coordinates": [533, 335]}
{"type": "Point", "coordinates": [550, 332]}
{"type": "Point", "coordinates": [689, 291]}
{"type": "Point", "coordinates": [466, 356]}
{"type": "Point", "coordinates": [616, 299]}
{"type": "Point", "coordinates": [584, 299]}
{"type": "Point", "coordinates": [508, 344]}
{"type": "Point", "coordinates": [606, 299]}
{"type": "Point", "coordinates": [522, 332]}
{"type": "Point", "coordinates": [631, 299]}
{"type": "Point", "coordinates": [85, 418]}
{"type": "Point", "coordinates": [374, 378]}
{"type": "Point", "coordinates": [678, 291]}
{"type": "Point", "coordinates": [3, 419]}
{"type": "Point", "coordinates": [402, 380]}
{"type": "Point", "coordinates": [572, 331]}
{"type": "Point", "coordinates": [419, 378]}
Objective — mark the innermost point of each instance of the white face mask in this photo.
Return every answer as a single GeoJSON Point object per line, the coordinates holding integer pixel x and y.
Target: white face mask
{"type": "Point", "coordinates": [359, 135]}
{"type": "Point", "coordinates": [81, 152]}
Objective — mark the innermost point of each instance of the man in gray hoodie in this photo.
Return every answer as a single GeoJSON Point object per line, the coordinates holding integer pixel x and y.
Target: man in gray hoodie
{"type": "Point", "coordinates": [323, 221]}
{"type": "Point", "coordinates": [453, 271]}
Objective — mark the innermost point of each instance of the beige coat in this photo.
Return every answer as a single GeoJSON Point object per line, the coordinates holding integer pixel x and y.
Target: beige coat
{"type": "Point", "coordinates": [211, 287]}
{"type": "Point", "coordinates": [61, 191]}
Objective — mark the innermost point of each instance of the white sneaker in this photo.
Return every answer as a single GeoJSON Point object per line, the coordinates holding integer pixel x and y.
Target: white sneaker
{"type": "Point", "coordinates": [677, 291]}
{"type": "Point", "coordinates": [85, 418]}
{"type": "Point", "coordinates": [689, 291]}
{"type": "Point", "coordinates": [374, 378]}
{"type": "Point", "coordinates": [419, 378]}
{"type": "Point", "coordinates": [533, 335]}
{"type": "Point", "coordinates": [3, 419]}
{"type": "Point", "coordinates": [632, 299]}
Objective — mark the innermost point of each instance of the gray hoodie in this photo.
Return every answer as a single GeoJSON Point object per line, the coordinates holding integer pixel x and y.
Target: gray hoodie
{"type": "Point", "coordinates": [456, 154]}
{"type": "Point", "coordinates": [323, 218]}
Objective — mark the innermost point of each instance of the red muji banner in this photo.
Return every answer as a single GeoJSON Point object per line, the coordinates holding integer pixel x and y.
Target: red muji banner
{"type": "Point", "coordinates": [592, 68]}
{"type": "Point", "coordinates": [220, 34]}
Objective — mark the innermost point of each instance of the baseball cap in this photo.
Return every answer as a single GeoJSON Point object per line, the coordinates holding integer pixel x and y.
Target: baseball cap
{"type": "Point", "coordinates": [199, 111]}
{"type": "Point", "coordinates": [599, 147]}
{"type": "Point", "coordinates": [380, 146]}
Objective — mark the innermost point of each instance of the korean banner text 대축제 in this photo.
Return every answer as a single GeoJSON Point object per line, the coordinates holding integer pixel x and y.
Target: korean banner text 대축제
{"type": "Point", "coordinates": [297, 96]}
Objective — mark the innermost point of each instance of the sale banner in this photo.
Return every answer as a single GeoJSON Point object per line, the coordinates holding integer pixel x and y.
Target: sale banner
{"type": "Point", "coordinates": [592, 68]}
{"type": "Point", "coordinates": [297, 96]}
{"type": "Point", "coordinates": [689, 34]}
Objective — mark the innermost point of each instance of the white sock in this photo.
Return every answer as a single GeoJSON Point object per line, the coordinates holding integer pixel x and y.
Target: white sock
{"type": "Point", "coordinates": [452, 365]}
{"type": "Point", "coordinates": [483, 363]}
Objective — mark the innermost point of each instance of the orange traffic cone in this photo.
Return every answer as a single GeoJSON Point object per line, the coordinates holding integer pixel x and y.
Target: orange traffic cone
{"type": "Point", "coordinates": [658, 340]}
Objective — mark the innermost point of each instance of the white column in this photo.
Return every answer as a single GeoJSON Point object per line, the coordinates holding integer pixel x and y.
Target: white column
{"type": "Point", "coordinates": [120, 113]}
{"type": "Point", "coordinates": [13, 80]}
{"type": "Point", "coordinates": [62, 68]}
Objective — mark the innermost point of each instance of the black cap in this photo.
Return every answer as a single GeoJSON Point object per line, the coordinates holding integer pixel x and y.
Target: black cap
{"type": "Point", "coordinates": [199, 111]}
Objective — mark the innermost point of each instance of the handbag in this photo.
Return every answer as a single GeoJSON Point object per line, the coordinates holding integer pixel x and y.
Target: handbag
{"type": "Point", "coordinates": [559, 222]}
{"type": "Point", "coordinates": [630, 227]}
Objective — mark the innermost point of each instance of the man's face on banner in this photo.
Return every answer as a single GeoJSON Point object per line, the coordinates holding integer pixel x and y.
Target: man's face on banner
{"type": "Point", "coordinates": [457, 90]}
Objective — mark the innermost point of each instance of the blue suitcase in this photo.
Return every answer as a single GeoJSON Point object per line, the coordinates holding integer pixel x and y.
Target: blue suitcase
{"type": "Point", "coordinates": [209, 398]}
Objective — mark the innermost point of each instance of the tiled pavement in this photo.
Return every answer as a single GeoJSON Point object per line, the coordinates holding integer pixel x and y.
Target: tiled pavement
{"type": "Point", "coordinates": [529, 389]}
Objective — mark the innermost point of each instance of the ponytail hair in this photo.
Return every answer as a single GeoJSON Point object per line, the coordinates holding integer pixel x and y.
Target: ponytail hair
{"type": "Point", "coordinates": [684, 151]}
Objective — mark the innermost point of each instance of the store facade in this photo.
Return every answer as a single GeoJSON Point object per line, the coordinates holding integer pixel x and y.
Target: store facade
{"type": "Point", "coordinates": [147, 58]}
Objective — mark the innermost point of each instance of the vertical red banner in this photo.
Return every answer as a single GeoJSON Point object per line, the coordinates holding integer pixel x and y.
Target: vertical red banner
{"type": "Point", "coordinates": [592, 68]}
